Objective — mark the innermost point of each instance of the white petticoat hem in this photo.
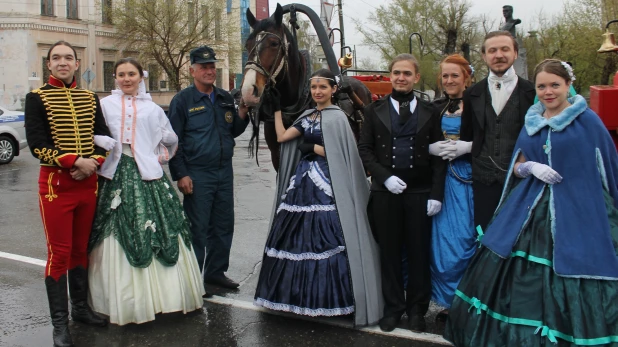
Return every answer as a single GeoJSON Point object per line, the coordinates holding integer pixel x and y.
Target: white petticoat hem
{"type": "Point", "coordinates": [134, 295]}
{"type": "Point", "coordinates": [328, 312]}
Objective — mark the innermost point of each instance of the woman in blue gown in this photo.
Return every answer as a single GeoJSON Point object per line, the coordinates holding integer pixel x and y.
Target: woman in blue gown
{"type": "Point", "coordinates": [547, 271]}
{"type": "Point", "coordinates": [453, 239]}
{"type": "Point", "coordinates": [320, 258]}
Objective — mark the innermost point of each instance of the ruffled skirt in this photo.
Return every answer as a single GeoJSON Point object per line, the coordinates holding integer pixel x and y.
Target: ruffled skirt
{"type": "Point", "coordinates": [305, 267]}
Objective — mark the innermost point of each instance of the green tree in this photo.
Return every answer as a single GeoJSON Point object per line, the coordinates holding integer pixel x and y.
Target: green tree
{"type": "Point", "coordinates": [445, 26]}
{"type": "Point", "coordinates": [574, 35]}
{"type": "Point", "coordinates": [166, 31]}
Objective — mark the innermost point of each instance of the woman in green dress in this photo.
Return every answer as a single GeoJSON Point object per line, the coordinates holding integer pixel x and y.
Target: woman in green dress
{"type": "Point", "coordinates": [141, 258]}
{"type": "Point", "coordinates": [547, 269]}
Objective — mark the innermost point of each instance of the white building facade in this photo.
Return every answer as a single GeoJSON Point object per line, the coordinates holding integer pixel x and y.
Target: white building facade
{"type": "Point", "coordinates": [29, 28]}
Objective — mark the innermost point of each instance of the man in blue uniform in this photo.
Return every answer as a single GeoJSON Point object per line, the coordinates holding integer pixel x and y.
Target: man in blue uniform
{"type": "Point", "coordinates": [206, 122]}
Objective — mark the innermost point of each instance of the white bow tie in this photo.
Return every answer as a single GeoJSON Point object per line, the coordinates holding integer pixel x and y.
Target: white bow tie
{"type": "Point", "coordinates": [498, 82]}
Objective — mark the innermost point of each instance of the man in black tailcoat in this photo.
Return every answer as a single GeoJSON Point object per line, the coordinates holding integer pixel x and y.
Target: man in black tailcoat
{"type": "Point", "coordinates": [407, 189]}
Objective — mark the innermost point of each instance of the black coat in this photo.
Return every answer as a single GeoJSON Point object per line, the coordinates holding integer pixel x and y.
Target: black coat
{"type": "Point", "coordinates": [375, 144]}
{"type": "Point", "coordinates": [473, 116]}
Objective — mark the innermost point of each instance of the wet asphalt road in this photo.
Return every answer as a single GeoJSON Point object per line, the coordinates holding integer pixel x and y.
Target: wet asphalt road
{"type": "Point", "coordinates": [228, 319]}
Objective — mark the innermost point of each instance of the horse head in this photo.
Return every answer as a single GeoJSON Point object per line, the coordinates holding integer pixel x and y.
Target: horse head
{"type": "Point", "coordinates": [272, 50]}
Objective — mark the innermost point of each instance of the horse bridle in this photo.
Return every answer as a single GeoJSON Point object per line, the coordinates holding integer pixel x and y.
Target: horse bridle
{"type": "Point", "coordinates": [255, 64]}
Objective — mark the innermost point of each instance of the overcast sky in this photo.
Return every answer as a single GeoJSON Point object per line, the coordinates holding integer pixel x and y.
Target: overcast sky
{"type": "Point", "coordinates": [526, 10]}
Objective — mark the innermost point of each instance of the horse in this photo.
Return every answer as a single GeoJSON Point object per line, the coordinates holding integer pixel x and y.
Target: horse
{"type": "Point", "coordinates": [275, 61]}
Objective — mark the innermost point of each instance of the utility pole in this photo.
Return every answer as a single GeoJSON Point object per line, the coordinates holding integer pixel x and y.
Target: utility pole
{"type": "Point", "coordinates": [340, 9]}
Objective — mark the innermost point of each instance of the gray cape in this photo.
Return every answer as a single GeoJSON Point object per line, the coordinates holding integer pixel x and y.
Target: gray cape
{"type": "Point", "coordinates": [351, 194]}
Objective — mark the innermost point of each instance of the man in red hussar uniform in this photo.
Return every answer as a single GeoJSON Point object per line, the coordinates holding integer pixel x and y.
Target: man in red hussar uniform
{"type": "Point", "coordinates": [61, 122]}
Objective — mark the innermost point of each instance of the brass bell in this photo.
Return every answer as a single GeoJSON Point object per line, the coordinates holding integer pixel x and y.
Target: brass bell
{"type": "Point", "coordinates": [609, 43]}
{"type": "Point", "coordinates": [346, 61]}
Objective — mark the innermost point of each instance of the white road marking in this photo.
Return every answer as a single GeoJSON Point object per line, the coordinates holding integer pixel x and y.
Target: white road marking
{"type": "Point", "coordinates": [247, 305]}
{"type": "Point", "coordinates": [23, 259]}
{"type": "Point", "coordinates": [403, 333]}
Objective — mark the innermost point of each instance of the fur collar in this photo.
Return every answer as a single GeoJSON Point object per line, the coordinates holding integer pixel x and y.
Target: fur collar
{"type": "Point", "coordinates": [535, 120]}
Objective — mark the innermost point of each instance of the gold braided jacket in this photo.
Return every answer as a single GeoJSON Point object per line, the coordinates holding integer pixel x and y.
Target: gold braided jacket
{"type": "Point", "coordinates": [61, 123]}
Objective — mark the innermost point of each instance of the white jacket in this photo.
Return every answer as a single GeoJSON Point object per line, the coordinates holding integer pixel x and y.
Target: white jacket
{"type": "Point", "coordinates": [141, 123]}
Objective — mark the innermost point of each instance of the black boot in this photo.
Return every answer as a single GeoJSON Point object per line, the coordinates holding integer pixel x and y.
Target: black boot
{"type": "Point", "coordinates": [80, 310]}
{"type": "Point", "coordinates": [59, 310]}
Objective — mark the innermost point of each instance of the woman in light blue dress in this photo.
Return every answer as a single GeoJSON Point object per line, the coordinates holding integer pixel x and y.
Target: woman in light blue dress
{"type": "Point", "coordinates": [453, 236]}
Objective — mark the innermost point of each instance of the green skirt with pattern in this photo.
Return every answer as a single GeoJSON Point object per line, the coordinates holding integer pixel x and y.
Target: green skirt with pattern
{"type": "Point", "coordinates": [520, 301]}
{"type": "Point", "coordinates": [145, 217]}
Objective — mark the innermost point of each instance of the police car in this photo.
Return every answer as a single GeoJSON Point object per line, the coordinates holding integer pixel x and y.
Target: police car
{"type": "Point", "coordinates": [12, 134]}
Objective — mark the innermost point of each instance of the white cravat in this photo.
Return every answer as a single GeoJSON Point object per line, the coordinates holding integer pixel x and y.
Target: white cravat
{"type": "Point", "coordinates": [501, 88]}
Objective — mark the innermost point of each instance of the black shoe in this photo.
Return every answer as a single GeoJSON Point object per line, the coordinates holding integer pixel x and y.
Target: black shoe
{"type": "Point", "coordinates": [417, 323]}
{"type": "Point", "coordinates": [207, 295]}
{"type": "Point", "coordinates": [389, 323]}
{"type": "Point", "coordinates": [442, 316]}
{"type": "Point", "coordinates": [59, 310]}
{"type": "Point", "coordinates": [78, 288]}
{"type": "Point", "coordinates": [222, 281]}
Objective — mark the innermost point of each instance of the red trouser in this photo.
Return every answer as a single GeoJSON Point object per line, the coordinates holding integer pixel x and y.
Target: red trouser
{"type": "Point", "coordinates": [67, 209]}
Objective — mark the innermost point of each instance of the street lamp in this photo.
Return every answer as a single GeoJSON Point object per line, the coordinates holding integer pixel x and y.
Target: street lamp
{"type": "Point", "coordinates": [420, 39]}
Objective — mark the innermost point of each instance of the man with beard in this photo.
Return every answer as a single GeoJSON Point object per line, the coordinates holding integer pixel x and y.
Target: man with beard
{"type": "Point", "coordinates": [407, 186]}
{"type": "Point", "coordinates": [493, 115]}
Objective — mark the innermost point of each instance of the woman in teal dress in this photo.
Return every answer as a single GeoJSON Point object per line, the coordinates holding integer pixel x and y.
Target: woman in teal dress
{"type": "Point", "coordinates": [453, 237]}
{"type": "Point", "coordinates": [547, 270]}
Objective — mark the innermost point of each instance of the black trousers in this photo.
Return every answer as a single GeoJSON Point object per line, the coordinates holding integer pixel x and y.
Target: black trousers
{"type": "Point", "coordinates": [401, 219]}
{"type": "Point", "coordinates": [486, 200]}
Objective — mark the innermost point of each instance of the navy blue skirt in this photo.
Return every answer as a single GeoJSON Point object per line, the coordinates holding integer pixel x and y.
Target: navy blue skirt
{"type": "Point", "coordinates": [305, 266]}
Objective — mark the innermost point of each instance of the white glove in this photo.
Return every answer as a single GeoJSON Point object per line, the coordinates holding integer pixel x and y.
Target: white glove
{"type": "Point", "coordinates": [395, 185]}
{"type": "Point", "coordinates": [541, 171]}
{"type": "Point", "coordinates": [105, 142]}
{"type": "Point", "coordinates": [433, 207]}
{"type": "Point", "coordinates": [457, 149]}
{"type": "Point", "coordinates": [441, 148]}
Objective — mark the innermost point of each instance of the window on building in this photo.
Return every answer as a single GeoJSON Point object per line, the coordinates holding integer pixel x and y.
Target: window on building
{"type": "Point", "coordinates": [229, 6]}
{"type": "Point", "coordinates": [129, 8]}
{"type": "Point", "coordinates": [46, 72]}
{"type": "Point", "coordinates": [219, 81]}
{"type": "Point", "coordinates": [153, 77]}
{"type": "Point", "coordinates": [218, 25]}
{"type": "Point", "coordinates": [47, 7]}
{"type": "Point", "coordinates": [72, 9]}
{"type": "Point", "coordinates": [191, 9]}
{"type": "Point", "coordinates": [108, 76]}
{"type": "Point", "coordinates": [106, 11]}
{"type": "Point", "coordinates": [205, 23]}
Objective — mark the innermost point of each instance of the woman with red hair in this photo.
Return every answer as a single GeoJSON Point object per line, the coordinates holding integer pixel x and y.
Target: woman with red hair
{"type": "Point", "coordinates": [453, 240]}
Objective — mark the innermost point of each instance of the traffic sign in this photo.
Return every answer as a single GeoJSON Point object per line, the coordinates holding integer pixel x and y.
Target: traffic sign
{"type": "Point", "coordinates": [88, 75]}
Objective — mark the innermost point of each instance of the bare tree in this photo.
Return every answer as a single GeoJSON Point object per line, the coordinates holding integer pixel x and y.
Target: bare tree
{"type": "Point", "coordinates": [166, 31]}
{"type": "Point", "coordinates": [451, 22]}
